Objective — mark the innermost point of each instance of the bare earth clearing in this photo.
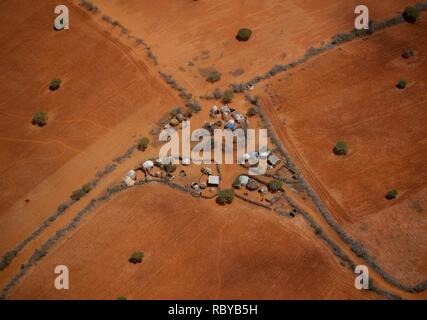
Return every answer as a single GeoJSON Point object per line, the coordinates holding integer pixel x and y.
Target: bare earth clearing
{"type": "Point", "coordinates": [112, 95]}
{"type": "Point", "coordinates": [332, 98]}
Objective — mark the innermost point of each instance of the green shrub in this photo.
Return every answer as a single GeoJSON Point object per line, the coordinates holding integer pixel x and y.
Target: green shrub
{"type": "Point", "coordinates": [275, 185]}
{"type": "Point", "coordinates": [251, 112]}
{"type": "Point", "coordinates": [55, 84]}
{"type": "Point", "coordinates": [40, 118]}
{"type": "Point", "coordinates": [402, 84]}
{"type": "Point", "coordinates": [121, 298]}
{"type": "Point", "coordinates": [341, 148]}
{"type": "Point", "coordinates": [244, 34]}
{"type": "Point", "coordinates": [411, 14]}
{"type": "Point", "coordinates": [143, 144]}
{"type": "Point", "coordinates": [80, 193]}
{"type": "Point", "coordinates": [136, 257]}
{"type": "Point", "coordinates": [169, 167]}
{"type": "Point", "coordinates": [391, 194]}
{"type": "Point", "coordinates": [227, 97]}
{"type": "Point", "coordinates": [213, 76]}
{"type": "Point", "coordinates": [225, 196]}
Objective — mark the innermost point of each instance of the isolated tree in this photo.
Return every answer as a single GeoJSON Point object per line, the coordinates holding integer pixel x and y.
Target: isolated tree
{"type": "Point", "coordinates": [136, 257]}
{"type": "Point", "coordinates": [341, 148]}
{"type": "Point", "coordinates": [143, 143]}
{"type": "Point", "coordinates": [227, 97]}
{"type": "Point", "coordinates": [411, 14]}
{"type": "Point", "coordinates": [244, 34]}
{"type": "Point", "coordinates": [391, 194]}
{"type": "Point", "coordinates": [40, 118]}
{"type": "Point", "coordinates": [402, 84]}
{"type": "Point", "coordinates": [251, 112]}
{"type": "Point", "coordinates": [55, 84]}
{"type": "Point", "coordinates": [274, 185]}
{"type": "Point", "coordinates": [225, 196]}
{"type": "Point", "coordinates": [213, 76]}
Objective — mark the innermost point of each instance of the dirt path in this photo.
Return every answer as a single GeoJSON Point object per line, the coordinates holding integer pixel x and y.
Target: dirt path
{"type": "Point", "coordinates": [317, 216]}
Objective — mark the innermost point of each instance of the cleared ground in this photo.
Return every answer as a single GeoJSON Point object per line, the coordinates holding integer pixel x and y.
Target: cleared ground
{"type": "Point", "coordinates": [191, 251]}
{"type": "Point", "coordinates": [189, 37]}
{"type": "Point", "coordinates": [350, 94]}
{"type": "Point", "coordinates": [104, 104]}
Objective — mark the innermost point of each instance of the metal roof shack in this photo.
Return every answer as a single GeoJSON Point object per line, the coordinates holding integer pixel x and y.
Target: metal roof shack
{"type": "Point", "coordinates": [213, 181]}
{"type": "Point", "coordinates": [273, 160]}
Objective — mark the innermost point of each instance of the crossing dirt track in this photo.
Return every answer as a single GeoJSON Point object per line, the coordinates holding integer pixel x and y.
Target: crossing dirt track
{"type": "Point", "coordinates": [113, 93]}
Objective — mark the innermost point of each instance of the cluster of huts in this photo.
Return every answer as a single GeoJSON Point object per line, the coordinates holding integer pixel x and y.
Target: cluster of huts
{"type": "Point", "coordinates": [233, 119]}
{"type": "Point", "coordinates": [250, 184]}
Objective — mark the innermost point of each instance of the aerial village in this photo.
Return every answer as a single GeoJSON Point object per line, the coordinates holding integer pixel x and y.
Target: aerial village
{"type": "Point", "coordinates": [207, 180]}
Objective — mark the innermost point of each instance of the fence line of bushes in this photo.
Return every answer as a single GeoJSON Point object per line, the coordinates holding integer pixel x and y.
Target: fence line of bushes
{"type": "Point", "coordinates": [355, 246]}
{"type": "Point", "coordinates": [336, 40]}
{"type": "Point", "coordinates": [8, 257]}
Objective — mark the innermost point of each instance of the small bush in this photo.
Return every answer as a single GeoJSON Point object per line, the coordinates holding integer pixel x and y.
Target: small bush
{"type": "Point", "coordinates": [275, 185]}
{"type": "Point", "coordinates": [40, 118]}
{"type": "Point", "coordinates": [80, 193]}
{"type": "Point", "coordinates": [136, 257]}
{"type": "Point", "coordinates": [251, 112]}
{"type": "Point", "coordinates": [225, 196]}
{"type": "Point", "coordinates": [227, 97]}
{"type": "Point", "coordinates": [169, 167]}
{"type": "Point", "coordinates": [391, 194]}
{"type": "Point", "coordinates": [143, 144]}
{"type": "Point", "coordinates": [121, 298]}
{"type": "Point", "coordinates": [407, 53]}
{"type": "Point", "coordinates": [213, 76]}
{"type": "Point", "coordinates": [402, 84]}
{"type": "Point", "coordinates": [175, 111]}
{"type": "Point", "coordinates": [411, 14]}
{"type": "Point", "coordinates": [55, 84]}
{"type": "Point", "coordinates": [341, 148]}
{"type": "Point", "coordinates": [244, 34]}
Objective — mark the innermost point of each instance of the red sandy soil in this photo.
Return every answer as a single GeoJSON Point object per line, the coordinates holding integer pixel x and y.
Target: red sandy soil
{"type": "Point", "coordinates": [101, 109]}
{"type": "Point", "coordinates": [203, 32]}
{"type": "Point", "coordinates": [351, 94]}
{"type": "Point", "coordinates": [194, 249]}
{"type": "Point", "coordinates": [191, 251]}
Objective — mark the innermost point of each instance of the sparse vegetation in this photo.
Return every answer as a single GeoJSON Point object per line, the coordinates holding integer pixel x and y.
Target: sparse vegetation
{"type": "Point", "coordinates": [402, 84]}
{"type": "Point", "coordinates": [121, 298]}
{"type": "Point", "coordinates": [341, 148]}
{"type": "Point", "coordinates": [411, 14]}
{"type": "Point", "coordinates": [175, 111]}
{"type": "Point", "coordinates": [55, 84]}
{"type": "Point", "coordinates": [225, 196]}
{"type": "Point", "coordinates": [244, 34]}
{"type": "Point", "coordinates": [213, 76]}
{"type": "Point", "coordinates": [136, 257]}
{"type": "Point", "coordinates": [40, 118]}
{"type": "Point", "coordinates": [169, 167]}
{"type": "Point", "coordinates": [251, 112]}
{"type": "Point", "coordinates": [80, 193]}
{"type": "Point", "coordinates": [391, 194]}
{"type": "Point", "coordinates": [143, 143]}
{"type": "Point", "coordinates": [227, 97]}
{"type": "Point", "coordinates": [407, 53]}
{"type": "Point", "coordinates": [275, 185]}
